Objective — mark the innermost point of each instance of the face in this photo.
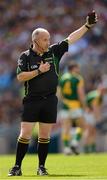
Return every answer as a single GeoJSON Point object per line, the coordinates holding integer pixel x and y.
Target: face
{"type": "Point", "coordinates": [103, 91]}
{"type": "Point", "coordinates": [43, 41]}
{"type": "Point", "coordinates": [77, 69]}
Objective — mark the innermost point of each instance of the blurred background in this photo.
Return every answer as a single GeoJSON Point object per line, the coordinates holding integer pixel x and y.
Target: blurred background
{"type": "Point", "coordinates": [18, 19]}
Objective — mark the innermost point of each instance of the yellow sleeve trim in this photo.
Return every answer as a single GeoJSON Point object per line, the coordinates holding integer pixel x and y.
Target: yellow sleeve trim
{"type": "Point", "coordinates": [95, 102]}
{"type": "Point", "coordinates": [81, 83]}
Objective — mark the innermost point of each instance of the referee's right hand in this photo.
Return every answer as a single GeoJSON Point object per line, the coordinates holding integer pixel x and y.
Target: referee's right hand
{"type": "Point", "coordinates": [44, 67]}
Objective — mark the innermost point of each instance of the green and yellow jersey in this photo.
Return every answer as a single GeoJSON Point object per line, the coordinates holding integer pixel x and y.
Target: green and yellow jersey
{"type": "Point", "coordinates": [93, 98]}
{"type": "Point", "coordinates": [69, 84]}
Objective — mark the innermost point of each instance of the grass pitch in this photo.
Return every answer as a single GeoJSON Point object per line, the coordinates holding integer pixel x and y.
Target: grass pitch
{"type": "Point", "coordinates": [60, 167]}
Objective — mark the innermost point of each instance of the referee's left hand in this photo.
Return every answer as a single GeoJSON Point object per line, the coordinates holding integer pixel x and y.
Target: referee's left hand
{"type": "Point", "coordinates": [91, 19]}
{"type": "Point", "coordinates": [44, 67]}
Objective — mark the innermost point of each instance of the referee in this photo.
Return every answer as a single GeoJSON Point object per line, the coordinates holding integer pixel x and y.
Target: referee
{"type": "Point", "coordinates": [38, 69]}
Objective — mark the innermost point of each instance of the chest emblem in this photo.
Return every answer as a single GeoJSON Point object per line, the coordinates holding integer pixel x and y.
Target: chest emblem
{"type": "Point", "coordinates": [34, 66]}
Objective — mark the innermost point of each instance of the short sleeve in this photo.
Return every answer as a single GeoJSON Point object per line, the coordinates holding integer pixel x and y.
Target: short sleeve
{"type": "Point", "coordinates": [95, 101]}
{"type": "Point", "coordinates": [60, 48]}
{"type": "Point", "coordinates": [22, 63]}
{"type": "Point", "coordinates": [81, 83]}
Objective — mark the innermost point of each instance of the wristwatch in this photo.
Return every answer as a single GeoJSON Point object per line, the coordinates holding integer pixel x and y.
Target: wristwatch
{"type": "Point", "coordinates": [39, 71]}
{"type": "Point", "coordinates": [88, 27]}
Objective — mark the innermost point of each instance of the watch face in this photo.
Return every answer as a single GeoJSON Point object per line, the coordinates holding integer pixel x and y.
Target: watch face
{"type": "Point", "coordinates": [39, 72]}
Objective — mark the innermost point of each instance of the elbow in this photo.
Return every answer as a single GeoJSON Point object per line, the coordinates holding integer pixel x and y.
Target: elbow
{"type": "Point", "coordinates": [20, 78]}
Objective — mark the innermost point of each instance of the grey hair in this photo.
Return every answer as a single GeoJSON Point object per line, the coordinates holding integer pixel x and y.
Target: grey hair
{"type": "Point", "coordinates": [37, 31]}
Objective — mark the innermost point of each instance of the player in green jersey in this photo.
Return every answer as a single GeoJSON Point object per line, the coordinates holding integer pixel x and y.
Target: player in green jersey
{"type": "Point", "coordinates": [92, 116]}
{"type": "Point", "coordinates": [71, 87]}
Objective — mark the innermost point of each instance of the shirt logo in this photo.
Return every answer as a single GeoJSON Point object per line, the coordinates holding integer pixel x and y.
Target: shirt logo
{"type": "Point", "coordinates": [20, 62]}
{"type": "Point", "coordinates": [34, 66]}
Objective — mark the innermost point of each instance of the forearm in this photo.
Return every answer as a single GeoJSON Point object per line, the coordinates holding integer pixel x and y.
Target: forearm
{"type": "Point", "coordinates": [76, 35]}
{"type": "Point", "coordinates": [83, 102]}
{"type": "Point", "coordinates": [97, 113]}
{"type": "Point", "coordinates": [26, 76]}
{"type": "Point", "coordinates": [59, 93]}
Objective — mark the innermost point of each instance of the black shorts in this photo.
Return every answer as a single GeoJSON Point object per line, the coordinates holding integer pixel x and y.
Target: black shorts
{"type": "Point", "coordinates": [42, 109]}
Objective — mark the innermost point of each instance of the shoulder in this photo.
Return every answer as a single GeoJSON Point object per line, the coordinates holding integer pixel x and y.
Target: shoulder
{"type": "Point", "coordinates": [66, 76]}
{"type": "Point", "coordinates": [79, 77]}
{"type": "Point", "coordinates": [78, 80]}
{"type": "Point", "coordinates": [91, 94]}
{"type": "Point", "coordinates": [64, 41]}
{"type": "Point", "coordinates": [23, 57]}
{"type": "Point", "coordinates": [61, 43]}
{"type": "Point", "coordinates": [25, 53]}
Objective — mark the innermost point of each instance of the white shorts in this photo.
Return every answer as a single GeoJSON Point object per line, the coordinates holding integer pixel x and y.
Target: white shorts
{"type": "Point", "coordinates": [89, 118]}
{"type": "Point", "coordinates": [70, 114]}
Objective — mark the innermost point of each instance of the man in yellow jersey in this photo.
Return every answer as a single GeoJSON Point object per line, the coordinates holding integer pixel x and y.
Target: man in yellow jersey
{"type": "Point", "coordinates": [71, 87]}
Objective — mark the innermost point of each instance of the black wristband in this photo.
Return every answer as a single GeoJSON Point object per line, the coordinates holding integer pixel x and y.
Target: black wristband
{"type": "Point", "coordinates": [39, 72]}
{"type": "Point", "coordinates": [87, 26]}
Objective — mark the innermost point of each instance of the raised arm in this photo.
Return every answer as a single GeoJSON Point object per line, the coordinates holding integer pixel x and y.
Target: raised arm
{"type": "Point", "coordinates": [91, 19]}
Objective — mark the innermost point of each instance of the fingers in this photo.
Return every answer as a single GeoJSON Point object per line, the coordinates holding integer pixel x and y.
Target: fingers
{"type": "Point", "coordinates": [96, 17]}
{"type": "Point", "coordinates": [46, 64]}
{"type": "Point", "coordinates": [41, 62]}
{"type": "Point", "coordinates": [92, 18]}
{"type": "Point", "coordinates": [44, 67]}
